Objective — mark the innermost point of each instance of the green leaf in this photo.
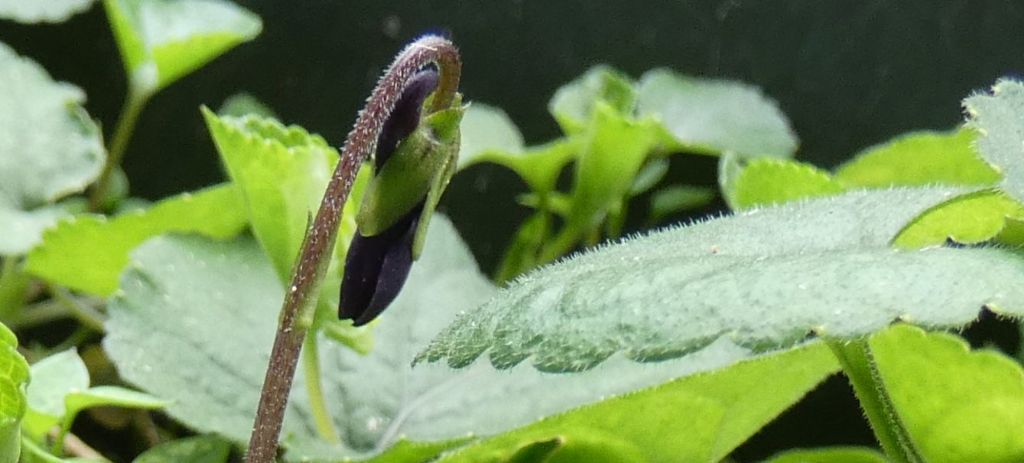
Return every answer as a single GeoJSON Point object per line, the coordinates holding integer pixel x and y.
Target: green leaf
{"type": "Point", "coordinates": [539, 166]}
{"type": "Point", "coordinates": [578, 445]}
{"type": "Point", "coordinates": [766, 181]}
{"type": "Point", "coordinates": [521, 253]}
{"type": "Point", "coordinates": [486, 128]}
{"type": "Point", "coordinates": [765, 280]}
{"type": "Point", "coordinates": [488, 135]}
{"type": "Point", "coordinates": [166, 333]}
{"type": "Point", "coordinates": [830, 455]}
{"type": "Point", "coordinates": [49, 148]}
{"type": "Point", "coordinates": [919, 158]}
{"type": "Point", "coordinates": [60, 390]}
{"type": "Point", "coordinates": [282, 173]}
{"type": "Point", "coordinates": [193, 324]}
{"type": "Point", "coordinates": [968, 219]}
{"type": "Point", "coordinates": [163, 40]}
{"type": "Point", "coordinates": [573, 103]}
{"type": "Point", "coordinates": [613, 149]}
{"type": "Point", "coordinates": [109, 396]}
{"type": "Point", "coordinates": [243, 104]}
{"type": "Point", "coordinates": [1012, 232]}
{"type": "Point", "coordinates": [53, 378]}
{"type": "Point", "coordinates": [405, 451]}
{"type": "Point", "coordinates": [721, 409]}
{"type": "Point", "coordinates": [730, 166]}
{"type": "Point", "coordinates": [20, 230]}
{"type": "Point", "coordinates": [42, 11]}
{"type": "Point", "coordinates": [649, 176]}
{"type": "Point", "coordinates": [675, 198]}
{"type": "Point", "coordinates": [32, 452]}
{"type": "Point", "coordinates": [999, 119]}
{"type": "Point", "coordinates": [14, 374]}
{"type": "Point", "coordinates": [88, 252]}
{"type": "Point", "coordinates": [198, 449]}
{"type": "Point", "coordinates": [714, 116]}
{"type": "Point", "coordinates": [956, 404]}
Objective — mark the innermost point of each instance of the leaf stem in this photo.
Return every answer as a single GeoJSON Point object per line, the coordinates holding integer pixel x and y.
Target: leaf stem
{"type": "Point", "coordinates": [86, 315]}
{"type": "Point", "coordinates": [315, 254]}
{"type": "Point", "coordinates": [38, 314]}
{"type": "Point", "coordinates": [133, 106]}
{"type": "Point", "coordinates": [13, 284]}
{"type": "Point", "coordinates": [562, 243]}
{"type": "Point", "coordinates": [859, 365]}
{"type": "Point", "coordinates": [311, 369]}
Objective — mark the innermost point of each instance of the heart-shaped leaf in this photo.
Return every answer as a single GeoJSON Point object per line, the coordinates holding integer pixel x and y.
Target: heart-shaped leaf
{"type": "Point", "coordinates": [574, 102]}
{"type": "Point", "coordinates": [42, 11]}
{"type": "Point", "coordinates": [715, 116]}
{"type": "Point", "coordinates": [281, 173]}
{"type": "Point", "coordinates": [60, 390]}
{"type": "Point", "coordinates": [49, 147]}
{"type": "Point", "coordinates": [489, 136]}
{"type": "Point", "coordinates": [88, 252]}
{"type": "Point", "coordinates": [767, 181]}
{"type": "Point", "coordinates": [722, 409]}
{"type": "Point", "coordinates": [999, 118]}
{"type": "Point", "coordinates": [53, 378]}
{"type": "Point", "coordinates": [766, 279]}
{"type": "Point", "coordinates": [198, 449]}
{"type": "Point", "coordinates": [919, 158]}
{"type": "Point", "coordinates": [164, 40]}
{"type": "Point", "coordinates": [968, 219]}
{"type": "Point", "coordinates": [181, 294]}
{"type": "Point", "coordinates": [485, 128]}
{"type": "Point", "coordinates": [957, 405]}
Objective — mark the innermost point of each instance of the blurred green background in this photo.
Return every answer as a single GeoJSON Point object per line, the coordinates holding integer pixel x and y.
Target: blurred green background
{"type": "Point", "coordinates": [848, 74]}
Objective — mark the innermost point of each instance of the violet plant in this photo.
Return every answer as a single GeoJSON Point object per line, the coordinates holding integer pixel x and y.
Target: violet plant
{"type": "Point", "coordinates": [678, 344]}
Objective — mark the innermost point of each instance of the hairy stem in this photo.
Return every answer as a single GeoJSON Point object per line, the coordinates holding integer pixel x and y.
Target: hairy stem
{"type": "Point", "coordinates": [859, 365]}
{"type": "Point", "coordinates": [122, 133]}
{"type": "Point", "coordinates": [315, 254]}
{"type": "Point", "coordinates": [311, 369]}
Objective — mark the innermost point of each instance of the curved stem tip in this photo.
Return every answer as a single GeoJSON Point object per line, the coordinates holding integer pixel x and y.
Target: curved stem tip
{"type": "Point", "coordinates": [315, 254]}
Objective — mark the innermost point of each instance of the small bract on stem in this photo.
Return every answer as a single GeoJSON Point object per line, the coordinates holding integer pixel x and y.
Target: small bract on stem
{"type": "Point", "coordinates": [315, 253]}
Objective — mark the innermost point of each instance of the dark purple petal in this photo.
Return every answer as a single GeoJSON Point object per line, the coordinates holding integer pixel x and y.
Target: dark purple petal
{"type": "Point", "coordinates": [376, 268]}
{"type": "Point", "coordinates": [406, 115]}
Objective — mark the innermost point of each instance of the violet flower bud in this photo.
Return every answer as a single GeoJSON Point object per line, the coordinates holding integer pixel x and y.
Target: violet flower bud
{"type": "Point", "coordinates": [377, 266]}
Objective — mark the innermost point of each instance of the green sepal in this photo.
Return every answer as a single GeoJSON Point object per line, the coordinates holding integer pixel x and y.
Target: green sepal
{"type": "Point", "coordinates": [444, 175]}
{"type": "Point", "coordinates": [419, 168]}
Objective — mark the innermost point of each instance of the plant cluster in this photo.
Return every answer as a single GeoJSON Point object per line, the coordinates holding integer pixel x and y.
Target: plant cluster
{"type": "Point", "coordinates": [675, 345]}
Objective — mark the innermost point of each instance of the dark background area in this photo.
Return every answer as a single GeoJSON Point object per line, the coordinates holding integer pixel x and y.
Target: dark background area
{"type": "Point", "coordinates": [848, 74]}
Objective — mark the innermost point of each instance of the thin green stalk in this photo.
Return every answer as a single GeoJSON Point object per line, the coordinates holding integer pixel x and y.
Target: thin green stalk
{"type": "Point", "coordinates": [13, 284]}
{"type": "Point", "coordinates": [524, 250]}
{"type": "Point", "coordinates": [311, 370]}
{"type": "Point", "coordinates": [563, 242]}
{"type": "Point", "coordinates": [77, 338]}
{"type": "Point", "coordinates": [133, 106]}
{"type": "Point", "coordinates": [87, 316]}
{"type": "Point", "coordinates": [859, 365]}
{"type": "Point", "coordinates": [38, 314]}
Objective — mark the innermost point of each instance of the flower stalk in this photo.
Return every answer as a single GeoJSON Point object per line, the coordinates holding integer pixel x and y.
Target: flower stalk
{"type": "Point", "coordinates": [314, 256]}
